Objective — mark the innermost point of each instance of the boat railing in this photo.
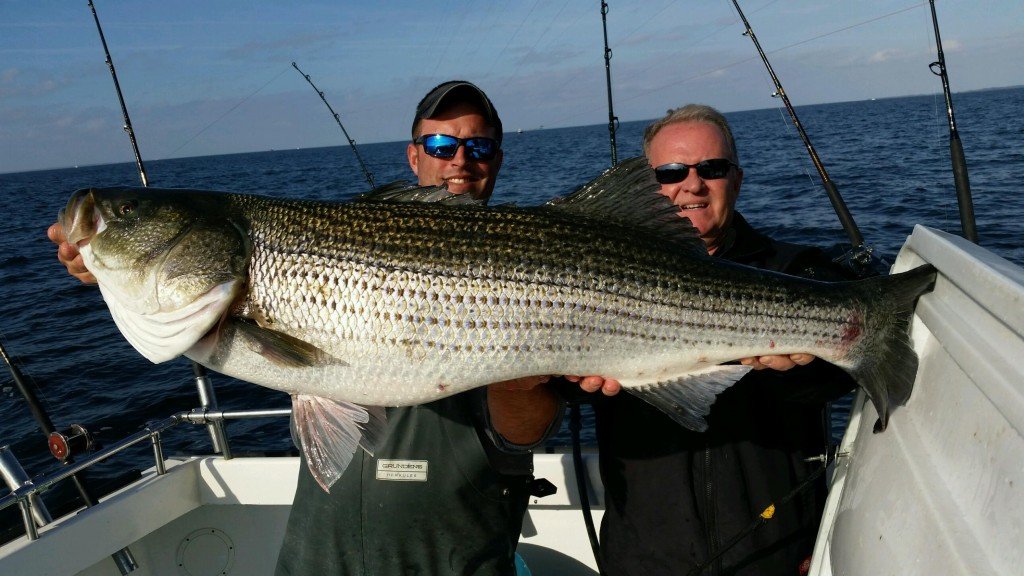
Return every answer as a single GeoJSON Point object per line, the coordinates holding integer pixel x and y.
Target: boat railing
{"type": "Point", "coordinates": [26, 493]}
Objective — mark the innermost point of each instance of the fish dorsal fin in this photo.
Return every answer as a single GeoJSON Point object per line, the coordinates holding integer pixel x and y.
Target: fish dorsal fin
{"type": "Point", "coordinates": [629, 195]}
{"type": "Point", "coordinates": [329, 433]}
{"type": "Point", "coordinates": [688, 399]}
{"type": "Point", "coordinates": [403, 191]}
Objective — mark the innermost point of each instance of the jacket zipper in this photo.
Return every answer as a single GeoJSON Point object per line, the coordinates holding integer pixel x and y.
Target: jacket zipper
{"type": "Point", "coordinates": [711, 525]}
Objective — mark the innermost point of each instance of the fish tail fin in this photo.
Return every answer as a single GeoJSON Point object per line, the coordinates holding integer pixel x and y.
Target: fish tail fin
{"type": "Point", "coordinates": [889, 368]}
{"type": "Point", "coordinates": [329, 433]}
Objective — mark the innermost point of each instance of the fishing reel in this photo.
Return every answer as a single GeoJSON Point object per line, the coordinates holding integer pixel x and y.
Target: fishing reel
{"type": "Point", "coordinates": [74, 440]}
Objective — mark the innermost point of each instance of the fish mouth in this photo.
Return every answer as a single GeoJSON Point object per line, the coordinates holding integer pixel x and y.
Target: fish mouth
{"type": "Point", "coordinates": [79, 218]}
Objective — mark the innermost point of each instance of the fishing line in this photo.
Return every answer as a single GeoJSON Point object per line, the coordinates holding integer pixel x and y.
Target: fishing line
{"type": "Point", "coordinates": [551, 22]}
{"type": "Point", "coordinates": [786, 47]}
{"type": "Point", "coordinates": [850, 27]}
{"type": "Point", "coordinates": [699, 75]}
{"type": "Point", "coordinates": [948, 215]}
{"type": "Point", "coordinates": [572, 79]}
{"type": "Point", "coordinates": [858, 258]}
{"type": "Point", "coordinates": [493, 18]}
{"type": "Point", "coordinates": [643, 26]}
{"type": "Point", "coordinates": [790, 132]}
{"type": "Point", "coordinates": [629, 76]}
{"type": "Point", "coordinates": [763, 518]}
{"type": "Point", "coordinates": [512, 37]}
{"type": "Point", "coordinates": [351, 142]}
{"type": "Point", "coordinates": [638, 95]}
{"type": "Point", "coordinates": [232, 109]}
{"type": "Point", "coordinates": [450, 36]}
{"type": "Point", "coordinates": [695, 42]}
{"type": "Point", "coordinates": [555, 89]}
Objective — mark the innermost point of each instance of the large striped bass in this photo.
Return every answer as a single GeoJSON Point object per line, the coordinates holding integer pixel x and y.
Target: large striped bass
{"type": "Point", "coordinates": [398, 299]}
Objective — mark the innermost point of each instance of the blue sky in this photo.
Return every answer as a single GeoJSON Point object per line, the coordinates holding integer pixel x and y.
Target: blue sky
{"type": "Point", "coordinates": [211, 77]}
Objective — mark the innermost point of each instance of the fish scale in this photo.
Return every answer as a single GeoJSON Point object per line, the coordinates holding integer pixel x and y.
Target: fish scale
{"type": "Point", "coordinates": [467, 261]}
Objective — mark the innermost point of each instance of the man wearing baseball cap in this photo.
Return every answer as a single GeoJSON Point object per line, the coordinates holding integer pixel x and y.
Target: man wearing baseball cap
{"type": "Point", "coordinates": [456, 140]}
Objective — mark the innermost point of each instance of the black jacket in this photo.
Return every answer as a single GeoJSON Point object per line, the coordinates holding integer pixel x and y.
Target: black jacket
{"type": "Point", "coordinates": [675, 497]}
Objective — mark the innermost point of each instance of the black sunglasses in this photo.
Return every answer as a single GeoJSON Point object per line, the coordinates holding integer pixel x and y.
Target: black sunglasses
{"type": "Point", "coordinates": [712, 169]}
{"type": "Point", "coordinates": [445, 147]}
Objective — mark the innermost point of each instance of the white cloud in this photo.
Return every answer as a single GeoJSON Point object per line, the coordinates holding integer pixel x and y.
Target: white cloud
{"type": "Point", "coordinates": [884, 55]}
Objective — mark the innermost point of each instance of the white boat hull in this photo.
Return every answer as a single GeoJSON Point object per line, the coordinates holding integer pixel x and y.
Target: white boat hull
{"type": "Point", "coordinates": [941, 491]}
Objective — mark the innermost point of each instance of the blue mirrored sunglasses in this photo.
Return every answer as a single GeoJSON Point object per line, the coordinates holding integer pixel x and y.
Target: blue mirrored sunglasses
{"type": "Point", "coordinates": [712, 169]}
{"type": "Point", "coordinates": [445, 147]}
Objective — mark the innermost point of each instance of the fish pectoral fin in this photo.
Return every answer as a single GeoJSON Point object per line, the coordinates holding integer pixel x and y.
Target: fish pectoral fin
{"type": "Point", "coordinates": [688, 399]}
{"type": "Point", "coordinates": [329, 432]}
{"type": "Point", "coordinates": [283, 349]}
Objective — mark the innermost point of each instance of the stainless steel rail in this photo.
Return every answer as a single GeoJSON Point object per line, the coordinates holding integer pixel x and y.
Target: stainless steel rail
{"type": "Point", "coordinates": [14, 475]}
{"type": "Point", "coordinates": [26, 493]}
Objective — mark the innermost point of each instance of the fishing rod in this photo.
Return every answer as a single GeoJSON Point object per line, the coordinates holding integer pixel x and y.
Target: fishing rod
{"type": "Point", "coordinates": [859, 256]}
{"type": "Point", "coordinates": [956, 149]}
{"type": "Point", "coordinates": [351, 142]}
{"type": "Point", "coordinates": [120, 97]}
{"type": "Point", "coordinates": [62, 445]}
{"type": "Point", "coordinates": [612, 119]}
{"type": "Point", "coordinates": [58, 442]}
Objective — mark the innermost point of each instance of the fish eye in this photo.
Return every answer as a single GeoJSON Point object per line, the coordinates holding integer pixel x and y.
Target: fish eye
{"type": "Point", "coordinates": [127, 207]}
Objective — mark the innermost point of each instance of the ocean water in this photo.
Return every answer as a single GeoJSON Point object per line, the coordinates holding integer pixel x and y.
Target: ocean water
{"type": "Point", "coordinates": [889, 158]}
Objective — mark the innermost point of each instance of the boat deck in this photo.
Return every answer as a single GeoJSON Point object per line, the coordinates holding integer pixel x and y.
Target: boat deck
{"type": "Point", "coordinates": [207, 516]}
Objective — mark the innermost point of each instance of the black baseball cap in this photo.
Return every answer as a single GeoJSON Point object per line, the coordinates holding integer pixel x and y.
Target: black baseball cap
{"type": "Point", "coordinates": [456, 91]}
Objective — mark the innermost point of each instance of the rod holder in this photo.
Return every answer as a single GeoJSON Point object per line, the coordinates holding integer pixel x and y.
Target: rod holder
{"type": "Point", "coordinates": [208, 401]}
{"type": "Point", "coordinates": [15, 477]}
